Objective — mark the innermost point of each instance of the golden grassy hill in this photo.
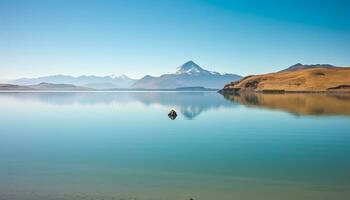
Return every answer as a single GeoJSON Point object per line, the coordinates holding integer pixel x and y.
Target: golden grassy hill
{"type": "Point", "coordinates": [335, 79]}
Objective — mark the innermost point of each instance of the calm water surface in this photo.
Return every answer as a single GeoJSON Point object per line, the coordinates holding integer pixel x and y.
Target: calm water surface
{"type": "Point", "coordinates": [122, 145]}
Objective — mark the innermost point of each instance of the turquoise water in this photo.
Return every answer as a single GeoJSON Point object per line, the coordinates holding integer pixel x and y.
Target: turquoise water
{"type": "Point", "coordinates": [122, 145]}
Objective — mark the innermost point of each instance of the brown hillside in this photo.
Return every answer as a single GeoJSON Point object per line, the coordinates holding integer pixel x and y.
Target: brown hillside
{"type": "Point", "coordinates": [306, 80]}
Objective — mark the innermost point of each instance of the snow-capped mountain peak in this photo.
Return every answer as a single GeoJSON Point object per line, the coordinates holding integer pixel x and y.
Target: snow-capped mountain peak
{"type": "Point", "coordinates": [189, 67]}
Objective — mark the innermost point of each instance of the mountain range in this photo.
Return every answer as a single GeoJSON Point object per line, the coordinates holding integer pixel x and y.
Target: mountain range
{"type": "Point", "coordinates": [96, 82]}
{"type": "Point", "coordinates": [187, 75]}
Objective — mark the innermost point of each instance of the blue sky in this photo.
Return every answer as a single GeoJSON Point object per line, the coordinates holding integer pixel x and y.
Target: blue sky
{"type": "Point", "coordinates": [139, 37]}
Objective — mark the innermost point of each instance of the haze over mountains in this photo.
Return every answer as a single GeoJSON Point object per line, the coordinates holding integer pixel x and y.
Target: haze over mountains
{"type": "Point", "coordinates": [187, 75]}
{"type": "Point", "coordinates": [96, 82]}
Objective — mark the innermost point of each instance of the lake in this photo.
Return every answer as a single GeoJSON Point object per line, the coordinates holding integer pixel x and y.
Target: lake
{"type": "Point", "coordinates": [122, 145]}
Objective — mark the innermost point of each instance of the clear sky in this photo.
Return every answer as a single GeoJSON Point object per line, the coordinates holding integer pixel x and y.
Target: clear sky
{"type": "Point", "coordinates": [139, 37]}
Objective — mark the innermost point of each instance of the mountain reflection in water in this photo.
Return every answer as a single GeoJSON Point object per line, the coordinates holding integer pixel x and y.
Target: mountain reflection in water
{"type": "Point", "coordinates": [299, 104]}
{"type": "Point", "coordinates": [190, 104]}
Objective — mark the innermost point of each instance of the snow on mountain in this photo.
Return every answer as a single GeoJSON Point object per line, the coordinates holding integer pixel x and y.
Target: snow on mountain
{"type": "Point", "coordinates": [190, 68]}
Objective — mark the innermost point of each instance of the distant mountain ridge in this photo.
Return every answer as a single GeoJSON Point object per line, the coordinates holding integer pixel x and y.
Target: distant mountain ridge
{"type": "Point", "coordinates": [300, 66]}
{"type": "Point", "coordinates": [13, 87]}
{"type": "Point", "coordinates": [96, 82]}
{"type": "Point", "coordinates": [43, 86]}
{"type": "Point", "coordinates": [187, 75]}
{"type": "Point", "coordinates": [53, 86]}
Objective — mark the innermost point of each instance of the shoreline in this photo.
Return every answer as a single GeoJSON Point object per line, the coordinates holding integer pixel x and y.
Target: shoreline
{"type": "Point", "coordinates": [234, 91]}
{"type": "Point", "coordinates": [97, 91]}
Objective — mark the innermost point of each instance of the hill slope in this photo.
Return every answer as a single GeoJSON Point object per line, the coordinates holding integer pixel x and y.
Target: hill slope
{"type": "Point", "coordinates": [334, 79]}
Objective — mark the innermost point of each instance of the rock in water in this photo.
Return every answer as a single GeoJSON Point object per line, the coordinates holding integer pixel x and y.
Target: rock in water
{"type": "Point", "coordinates": [172, 114]}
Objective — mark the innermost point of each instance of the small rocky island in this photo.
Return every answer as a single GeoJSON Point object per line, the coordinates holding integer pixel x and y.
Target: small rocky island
{"type": "Point", "coordinates": [172, 114]}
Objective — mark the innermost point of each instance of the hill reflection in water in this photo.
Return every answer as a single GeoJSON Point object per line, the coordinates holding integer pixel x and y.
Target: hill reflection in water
{"type": "Point", "coordinates": [298, 104]}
